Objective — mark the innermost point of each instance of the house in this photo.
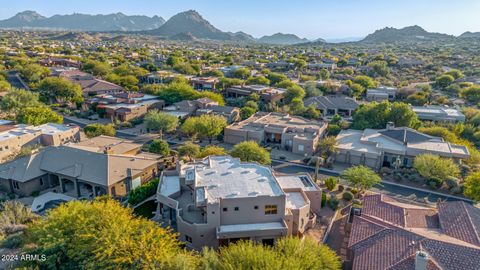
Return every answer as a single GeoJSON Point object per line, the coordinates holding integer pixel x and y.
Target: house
{"type": "Point", "coordinates": [439, 113]}
{"type": "Point", "coordinates": [204, 83]}
{"type": "Point", "coordinates": [91, 86]}
{"type": "Point", "coordinates": [109, 145]}
{"type": "Point", "coordinates": [63, 62]}
{"type": "Point", "coordinates": [392, 147]}
{"type": "Point", "coordinates": [125, 106]}
{"type": "Point", "coordinates": [76, 171]}
{"type": "Point", "coordinates": [185, 108]}
{"type": "Point", "coordinates": [392, 234]}
{"type": "Point", "coordinates": [332, 105]}
{"type": "Point", "coordinates": [220, 200]}
{"type": "Point", "coordinates": [280, 65]}
{"type": "Point", "coordinates": [228, 71]}
{"type": "Point", "coordinates": [14, 137]}
{"type": "Point", "coordinates": [382, 93]}
{"type": "Point", "coordinates": [320, 66]}
{"type": "Point", "coordinates": [232, 114]}
{"type": "Point", "coordinates": [267, 94]}
{"type": "Point", "coordinates": [291, 133]}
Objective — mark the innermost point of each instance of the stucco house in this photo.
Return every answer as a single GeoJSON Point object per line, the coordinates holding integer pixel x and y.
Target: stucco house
{"type": "Point", "coordinates": [291, 133]}
{"type": "Point", "coordinates": [392, 146]}
{"type": "Point", "coordinates": [220, 200]}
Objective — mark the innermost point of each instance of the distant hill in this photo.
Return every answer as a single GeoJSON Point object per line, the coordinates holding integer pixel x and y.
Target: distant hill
{"type": "Point", "coordinates": [241, 36]}
{"type": "Point", "coordinates": [410, 33]}
{"type": "Point", "coordinates": [83, 22]}
{"type": "Point", "coordinates": [470, 35]}
{"type": "Point", "coordinates": [183, 37]}
{"type": "Point", "coordinates": [190, 22]}
{"type": "Point", "coordinates": [282, 39]}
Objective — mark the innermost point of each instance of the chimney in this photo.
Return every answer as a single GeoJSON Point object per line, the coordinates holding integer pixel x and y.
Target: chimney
{"type": "Point", "coordinates": [421, 260]}
{"type": "Point", "coordinates": [390, 125]}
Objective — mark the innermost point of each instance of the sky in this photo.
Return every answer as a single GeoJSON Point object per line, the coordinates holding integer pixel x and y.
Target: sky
{"type": "Point", "coordinates": [329, 19]}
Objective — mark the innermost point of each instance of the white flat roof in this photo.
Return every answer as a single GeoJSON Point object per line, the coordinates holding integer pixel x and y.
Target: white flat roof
{"type": "Point", "coordinates": [250, 227]}
{"type": "Point", "coordinates": [302, 181]}
{"type": "Point", "coordinates": [226, 177]}
{"type": "Point", "coordinates": [295, 200]}
{"type": "Point", "coordinates": [169, 185]}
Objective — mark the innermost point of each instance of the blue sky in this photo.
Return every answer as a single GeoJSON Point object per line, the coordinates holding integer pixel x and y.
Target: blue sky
{"type": "Point", "coordinates": [305, 18]}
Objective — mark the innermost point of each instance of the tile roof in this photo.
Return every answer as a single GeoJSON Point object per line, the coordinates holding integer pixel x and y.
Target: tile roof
{"type": "Point", "coordinates": [382, 240]}
{"type": "Point", "coordinates": [332, 102]}
{"type": "Point", "coordinates": [460, 220]}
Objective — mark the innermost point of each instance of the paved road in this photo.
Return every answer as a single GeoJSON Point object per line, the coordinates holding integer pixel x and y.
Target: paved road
{"type": "Point", "coordinates": [15, 80]}
{"type": "Point", "coordinates": [385, 188]}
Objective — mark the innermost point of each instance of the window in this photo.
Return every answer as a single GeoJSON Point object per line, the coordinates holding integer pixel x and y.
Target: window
{"type": "Point", "coordinates": [255, 207]}
{"type": "Point", "coordinates": [15, 185]}
{"type": "Point", "coordinates": [270, 209]}
{"type": "Point", "coordinates": [6, 146]}
{"type": "Point", "coordinates": [236, 208]}
{"type": "Point", "coordinates": [41, 181]}
{"type": "Point", "coordinates": [188, 238]}
{"type": "Point", "coordinates": [213, 212]}
{"type": "Point", "coordinates": [300, 147]}
{"type": "Point", "coordinates": [225, 209]}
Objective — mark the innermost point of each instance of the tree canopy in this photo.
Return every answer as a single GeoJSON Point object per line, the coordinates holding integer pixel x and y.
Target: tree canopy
{"type": "Point", "coordinates": [157, 120]}
{"type": "Point", "coordinates": [250, 151]}
{"type": "Point", "coordinates": [433, 166]}
{"type": "Point", "coordinates": [17, 99]}
{"type": "Point", "coordinates": [159, 147]}
{"type": "Point", "coordinates": [178, 91]}
{"type": "Point", "coordinates": [287, 253]}
{"type": "Point", "coordinates": [377, 115]}
{"type": "Point", "coordinates": [207, 126]}
{"type": "Point", "coordinates": [472, 186]}
{"type": "Point", "coordinates": [60, 89]}
{"type": "Point", "coordinates": [38, 116]}
{"type": "Point", "coordinates": [101, 234]}
{"type": "Point", "coordinates": [94, 130]}
{"type": "Point", "coordinates": [361, 177]}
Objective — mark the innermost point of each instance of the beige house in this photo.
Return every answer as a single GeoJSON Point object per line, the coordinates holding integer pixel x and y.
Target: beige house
{"type": "Point", "coordinates": [292, 133]}
{"type": "Point", "coordinates": [14, 137]}
{"type": "Point", "coordinates": [391, 147]}
{"type": "Point", "coordinates": [102, 165]}
{"type": "Point", "coordinates": [220, 200]}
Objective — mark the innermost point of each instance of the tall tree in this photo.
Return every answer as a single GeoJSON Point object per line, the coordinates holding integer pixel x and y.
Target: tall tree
{"type": "Point", "coordinates": [38, 116]}
{"type": "Point", "coordinates": [207, 126]}
{"type": "Point", "coordinates": [101, 234]}
{"type": "Point", "coordinates": [60, 89]}
{"type": "Point", "coordinates": [361, 177]}
{"type": "Point", "coordinates": [157, 120]}
{"type": "Point", "coordinates": [250, 151]}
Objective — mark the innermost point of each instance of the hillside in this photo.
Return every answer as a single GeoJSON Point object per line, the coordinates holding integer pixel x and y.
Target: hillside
{"type": "Point", "coordinates": [410, 33]}
{"type": "Point", "coordinates": [83, 22]}
{"type": "Point", "coordinates": [190, 22]}
{"type": "Point", "coordinates": [282, 39]}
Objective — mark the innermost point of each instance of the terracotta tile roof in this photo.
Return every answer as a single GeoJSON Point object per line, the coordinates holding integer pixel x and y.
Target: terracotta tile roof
{"type": "Point", "coordinates": [377, 207]}
{"type": "Point", "coordinates": [421, 218]}
{"type": "Point", "coordinates": [409, 264]}
{"type": "Point", "coordinates": [460, 220]}
{"type": "Point", "coordinates": [389, 248]}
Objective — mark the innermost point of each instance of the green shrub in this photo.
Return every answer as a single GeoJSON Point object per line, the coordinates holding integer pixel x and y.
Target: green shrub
{"type": "Point", "coordinates": [435, 182]}
{"type": "Point", "coordinates": [35, 193]}
{"type": "Point", "coordinates": [12, 241]}
{"type": "Point", "coordinates": [333, 202]}
{"type": "Point", "coordinates": [341, 188]}
{"type": "Point", "coordinates": [452, 182]}
{"type": "Point", "coordinates": [354, 191]}
{"type": "Point", "coordinates": [143, 192]}
{"type": "Point", "coordinates": [324, 199]}
{"type": "Point", "coordinates": [348, 196]}
{"type": "Point", "coordinates": [330, 183]}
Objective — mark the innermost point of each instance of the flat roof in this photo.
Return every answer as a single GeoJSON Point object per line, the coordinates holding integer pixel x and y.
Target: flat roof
{"type": "Point", "coordinates": [225, 177]}
{"type": "Point", "coordinates": [250, 227]}
{"type": "Point", "coordinates": [169, 185]}
{"type": "Point", "coordinates": [303, 181]}
{"type": "Point", "coordinates": [295, 200]}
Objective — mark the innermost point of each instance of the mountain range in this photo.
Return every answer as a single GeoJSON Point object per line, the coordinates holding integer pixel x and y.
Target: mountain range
{"type": "Point", "coordinates": [191, 26]}
{"type": "Point", "coordinates": [409, 33]}
{"type": "Point", "coordinates": [83, 22]}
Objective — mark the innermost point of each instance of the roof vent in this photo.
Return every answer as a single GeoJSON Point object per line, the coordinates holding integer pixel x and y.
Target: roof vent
{"type": "Point", "coordinates": [390, 125]}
